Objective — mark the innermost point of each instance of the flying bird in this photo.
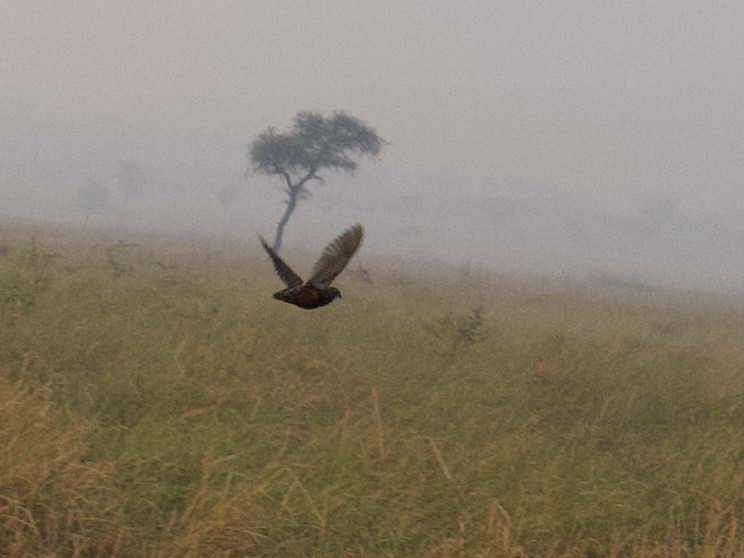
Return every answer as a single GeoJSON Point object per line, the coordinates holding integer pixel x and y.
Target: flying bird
{"type": "Point", "coordinates": [316, 291]}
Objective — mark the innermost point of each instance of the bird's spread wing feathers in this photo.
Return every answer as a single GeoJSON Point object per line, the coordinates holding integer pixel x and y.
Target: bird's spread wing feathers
{"type": "Point", "coordinates": [285, 273]}
{"type": "Point", "coordinates": [335, 257]}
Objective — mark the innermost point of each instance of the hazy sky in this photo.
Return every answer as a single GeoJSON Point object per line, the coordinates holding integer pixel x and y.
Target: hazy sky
{"type": "Point", "coordinates": [617, 98]}
{"type": "Point", "coordinates": [545, 136]}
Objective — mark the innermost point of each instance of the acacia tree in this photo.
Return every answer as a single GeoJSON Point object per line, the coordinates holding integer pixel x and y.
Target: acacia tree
{"type": "Point", "coordinates": [315, 143]}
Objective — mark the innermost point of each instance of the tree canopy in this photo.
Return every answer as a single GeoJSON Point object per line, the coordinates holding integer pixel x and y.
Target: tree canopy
{"type": "Point", "coordinates": [314, 143]}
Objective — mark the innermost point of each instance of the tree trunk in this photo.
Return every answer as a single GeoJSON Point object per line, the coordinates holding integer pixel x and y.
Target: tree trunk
{"type": "Point", "coordinates": [294, 192]}
{"type": "Point", "coordinates": [291, 204]}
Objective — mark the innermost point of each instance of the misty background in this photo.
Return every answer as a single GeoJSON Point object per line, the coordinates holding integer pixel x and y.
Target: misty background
{"type": "Point", "coordinates": [562, 139]}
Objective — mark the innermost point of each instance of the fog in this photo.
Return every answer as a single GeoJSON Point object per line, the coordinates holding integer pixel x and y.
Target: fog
{"type": "Point", "coordinates": [568, 139]}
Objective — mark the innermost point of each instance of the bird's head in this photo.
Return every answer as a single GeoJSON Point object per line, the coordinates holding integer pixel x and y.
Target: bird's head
{"type": "Point", "coordinates": [334, 292]}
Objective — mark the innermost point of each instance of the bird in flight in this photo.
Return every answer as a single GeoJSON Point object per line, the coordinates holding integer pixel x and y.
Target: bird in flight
{"type": "Point", "coordinates": [316, 291]}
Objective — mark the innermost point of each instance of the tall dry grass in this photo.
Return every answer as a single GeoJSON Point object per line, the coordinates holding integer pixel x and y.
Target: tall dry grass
{"type": "Point", "coordinates": [155, 401]}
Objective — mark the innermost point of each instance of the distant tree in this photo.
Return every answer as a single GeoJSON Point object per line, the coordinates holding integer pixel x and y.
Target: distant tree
{"type": "Point", "coordinates": [226, 195]}
{"type": "Point", "coordinates": [129, 178]}
{"type": "Point", "coordinates": [315, 143]}
{"type": "Point", "coordinates": [132, 178]}
{"type": "Point", "coordinates": [94, 199]}
{"type": "Point", "coordinates": [657, 213]}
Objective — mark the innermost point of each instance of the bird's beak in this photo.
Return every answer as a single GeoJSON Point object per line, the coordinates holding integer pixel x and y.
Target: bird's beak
{"type": "Point", "coordinates": [339, 295]}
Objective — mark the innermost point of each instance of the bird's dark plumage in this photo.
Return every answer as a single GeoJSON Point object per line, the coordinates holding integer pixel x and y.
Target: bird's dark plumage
{"type": "Point", "coordinates": [316, 291]}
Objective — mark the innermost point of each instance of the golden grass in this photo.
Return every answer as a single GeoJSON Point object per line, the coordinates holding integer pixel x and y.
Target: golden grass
{"type": "Point", "coordinates": [155, 401]}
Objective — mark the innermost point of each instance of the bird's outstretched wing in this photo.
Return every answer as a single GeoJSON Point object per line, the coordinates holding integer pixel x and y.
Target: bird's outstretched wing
{"type": "Point", "coordinates": [285, 273]}
{"type": "Point", "coordinates": [335, 257]}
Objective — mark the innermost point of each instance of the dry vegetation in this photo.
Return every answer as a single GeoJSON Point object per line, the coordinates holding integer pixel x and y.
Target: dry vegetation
{"type": "Point", "coordinates": [158, 402]}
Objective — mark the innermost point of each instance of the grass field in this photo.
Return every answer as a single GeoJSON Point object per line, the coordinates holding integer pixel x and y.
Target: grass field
{"type": "Point", "coordinates": [156, 402]}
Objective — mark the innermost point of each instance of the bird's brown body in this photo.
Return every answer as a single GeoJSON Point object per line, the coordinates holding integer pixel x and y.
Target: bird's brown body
{"type": "Point", "coordinates": [316, 291]}
{"type": "Point", "coordinates": [307, 296]}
